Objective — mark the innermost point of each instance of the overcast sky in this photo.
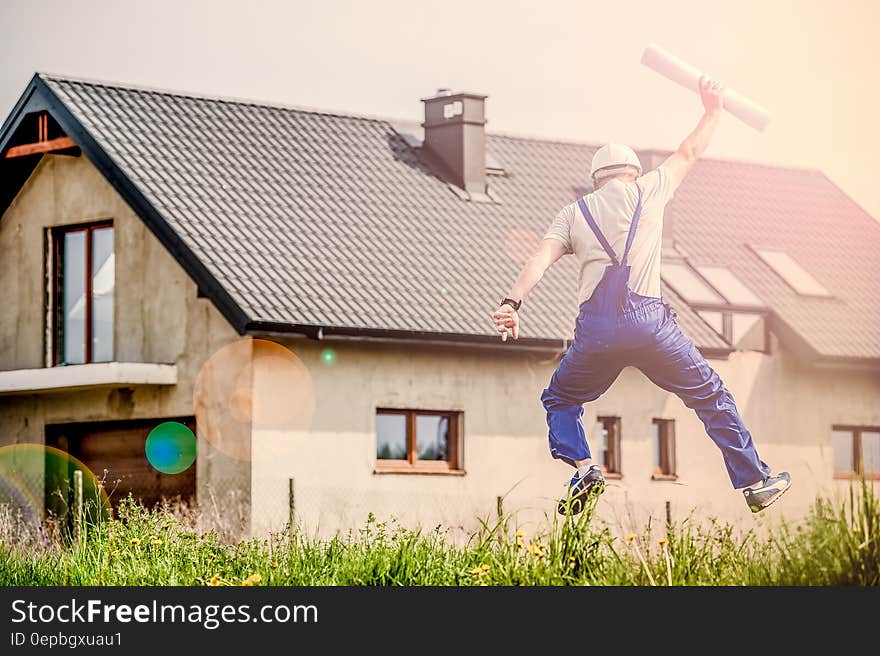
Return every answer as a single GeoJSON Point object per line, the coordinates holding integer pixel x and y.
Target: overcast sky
{"type": "Point", "coordinates": [555, 69]}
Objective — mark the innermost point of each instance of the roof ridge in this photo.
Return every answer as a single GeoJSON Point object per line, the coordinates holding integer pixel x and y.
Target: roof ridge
{"type": "Point", "coordinates": [394, 122]}
{"type": "Point", "coordinates": [233, 100]}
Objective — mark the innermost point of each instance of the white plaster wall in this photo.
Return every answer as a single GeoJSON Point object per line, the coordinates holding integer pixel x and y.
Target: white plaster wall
{"type": "Point", "coordinates": [789, 408]}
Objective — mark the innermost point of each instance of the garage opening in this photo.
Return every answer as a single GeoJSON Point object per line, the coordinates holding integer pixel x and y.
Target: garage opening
{"type": "Point", "coordinates": [115, 452]}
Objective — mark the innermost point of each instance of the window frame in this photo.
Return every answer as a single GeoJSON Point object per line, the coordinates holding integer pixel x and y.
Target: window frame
{"type": "Point", "coordinates": [615, 470]}
{"type": "Point", "coordinates": [56, 292]}
{"type": "Point", "coordinates": [412, 465]}
{"type": "Point", "coordinates": [858, 462]}
{"type": "Point", "coordinates": [667, 471]}
{"type": "Point", "coordinates": [727, 324]}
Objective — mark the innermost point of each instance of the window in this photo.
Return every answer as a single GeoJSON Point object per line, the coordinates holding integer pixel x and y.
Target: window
{"type": "Point", "coordinates": [418, 441]}
{"type": "Point", "coordinates": [663, 442]}
{"type": "Point", "coordinates": [729, 285]}
{"type": "Point", "coordinates": [689, 285]}
{"type": "Point", "coordinates": [793, 273]}
{"type": "Point", "coordinates": [85, 272]}
{"type": "Point", "coordinates": [856, 451]}
{"type": "Point", "coordinates": [605, 445]}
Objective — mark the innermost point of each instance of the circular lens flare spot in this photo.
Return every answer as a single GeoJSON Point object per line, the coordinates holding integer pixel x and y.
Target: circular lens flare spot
{"type": "Point", "coordinates": [38, 495]}
{"type": "Point", "coordinates": [251, 385]}
{"type": "Point", "coordinates": [328, 356]}
{"type": "Point", "coordinates": [171, 447]}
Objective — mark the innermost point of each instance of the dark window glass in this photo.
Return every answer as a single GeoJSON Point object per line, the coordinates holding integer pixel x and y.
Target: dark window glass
{"type": "Point", "coordinates": [391, 437]}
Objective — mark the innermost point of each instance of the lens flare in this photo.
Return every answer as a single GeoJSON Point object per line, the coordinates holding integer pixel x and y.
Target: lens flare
{"type": "Point", "coordinates": [328, 356]}
{"type": "Point", "coordinates": [37, 488]}
{"type": "Point", "coordinates": [171, 447]}
{"type": "Point", "coordinates": [251, 384]}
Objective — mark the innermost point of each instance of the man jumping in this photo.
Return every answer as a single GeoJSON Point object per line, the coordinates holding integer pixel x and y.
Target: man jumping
{"type": "Point", "coordinates": [623, 321]}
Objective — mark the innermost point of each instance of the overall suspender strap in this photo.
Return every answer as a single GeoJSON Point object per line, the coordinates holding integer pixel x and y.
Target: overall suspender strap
{"type": "Point", "coordinates": [632, 227]}
{"type": "Point", "coordinates": [595, 228]}
{"type": "Point", "coordinates": [604, 242]}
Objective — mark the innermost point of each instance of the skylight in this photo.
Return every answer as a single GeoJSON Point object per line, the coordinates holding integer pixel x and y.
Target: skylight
{"type": "Point", "coordinates": [729, 285]}
{"type": "Point", "coordinates": [687, 283]}
{"type": "Point", "coordinates": [793, 273]}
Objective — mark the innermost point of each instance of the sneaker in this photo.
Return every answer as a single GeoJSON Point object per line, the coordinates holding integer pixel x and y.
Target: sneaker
{"type": "Point", "coordinates": [579, 489]}
{"type": "Point", "coordinates": [770, 490]}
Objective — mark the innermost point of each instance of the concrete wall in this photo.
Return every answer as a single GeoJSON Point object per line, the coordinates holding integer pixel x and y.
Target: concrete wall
{"type": "Point", "coordinates": [158, 317]}
{"type": "Point", "coordinates": [789, 408]}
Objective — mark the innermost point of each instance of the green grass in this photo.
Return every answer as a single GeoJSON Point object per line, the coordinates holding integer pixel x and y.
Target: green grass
{"type": "Point", "coordinates": [838, 543]}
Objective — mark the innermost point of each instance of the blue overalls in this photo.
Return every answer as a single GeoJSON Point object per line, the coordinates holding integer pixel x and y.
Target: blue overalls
{"type": "Point", "coordinates": [617, 328]}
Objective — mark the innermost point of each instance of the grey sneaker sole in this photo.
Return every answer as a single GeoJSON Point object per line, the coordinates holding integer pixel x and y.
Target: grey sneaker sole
{"type": "Point", "coordinates": [756, 508]}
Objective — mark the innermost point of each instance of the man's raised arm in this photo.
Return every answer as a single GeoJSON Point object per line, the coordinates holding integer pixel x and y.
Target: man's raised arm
{"type": "Point", "coordinates": [679, 164]}
{"type": "Point", "coordinates": [505, 318]}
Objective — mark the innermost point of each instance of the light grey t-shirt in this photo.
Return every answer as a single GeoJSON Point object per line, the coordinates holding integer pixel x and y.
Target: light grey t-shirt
{"type": "Point", "coordinates": [612, 206]}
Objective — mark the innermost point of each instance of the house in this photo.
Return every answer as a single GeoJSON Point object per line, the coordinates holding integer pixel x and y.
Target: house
{"type": "Point", "coordinates": [310, 293]}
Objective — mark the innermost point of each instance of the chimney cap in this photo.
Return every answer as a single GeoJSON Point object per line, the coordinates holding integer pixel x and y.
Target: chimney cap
{"type": "Point", "coordinates": [445, 94]}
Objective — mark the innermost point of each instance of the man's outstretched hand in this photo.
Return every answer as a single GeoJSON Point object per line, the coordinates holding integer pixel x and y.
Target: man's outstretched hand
{"type": "Point", "coordinates": [506, 322]}
{"type": "Point", "coordinates": [712, 94]}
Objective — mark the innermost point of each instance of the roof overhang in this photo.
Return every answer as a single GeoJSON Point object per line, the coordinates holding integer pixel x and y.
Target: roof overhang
{"type": "Point", "coordinates": [272, 329]}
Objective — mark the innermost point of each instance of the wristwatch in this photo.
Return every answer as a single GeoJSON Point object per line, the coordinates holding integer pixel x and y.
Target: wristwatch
{"type": "Point", "coordinates": [509, 301]}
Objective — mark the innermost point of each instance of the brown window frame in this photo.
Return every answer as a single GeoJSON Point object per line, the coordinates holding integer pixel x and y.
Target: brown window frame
{"type": "Point", "coordinates": [58, 233]}
{"type": "Point", "coordinates": [666, 432]}
{"type": "Point", "coordinates": [858, 464]}
{"type": "Point", "coordinates": [613, 463]}
{"type": "Point", "coordinates": [412, 464]}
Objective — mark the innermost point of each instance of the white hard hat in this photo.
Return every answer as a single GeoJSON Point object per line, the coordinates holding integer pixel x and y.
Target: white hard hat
{"type": "Point", "coordinates": [613, 156]}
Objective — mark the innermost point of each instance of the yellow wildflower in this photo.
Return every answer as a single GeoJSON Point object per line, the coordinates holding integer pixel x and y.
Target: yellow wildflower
{"type": "Point", "coordinates": [274, 565]}
{"type": "Point", "coordinates": [630, 537]}
{"type": "Point", "coordinates": [214, 580]}
{"type": "Point", "coordinates": [157, 542]}
{"type": "Point", "coordinates": [520, 534]}
{"type": "Point", "coordinates": [520, 543]}
{"type": "Point", "coordinates": [485, 567]}
{"type": "Point", "coordinates": [662, 541]}
{"type": "Point", "coordinates": [135, 542]}
{"type": "Point", "coordinates": [253, 579]}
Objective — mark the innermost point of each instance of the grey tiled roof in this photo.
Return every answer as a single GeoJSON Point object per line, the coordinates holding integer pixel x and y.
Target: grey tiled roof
{"type": "Point", "coordinates": [319, 219]}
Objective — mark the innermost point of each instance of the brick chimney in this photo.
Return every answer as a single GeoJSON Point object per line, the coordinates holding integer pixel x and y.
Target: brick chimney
{"type": "Point", "coordinates": [455, 137]}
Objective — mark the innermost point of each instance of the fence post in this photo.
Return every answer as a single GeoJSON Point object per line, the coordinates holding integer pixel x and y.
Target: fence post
{"type": "Point", "coordinates": [291, 505]}
{"type": "Point", "coordinates": [668, 516]}
{"type": "Point", "coordinates": [77, 504]}
{"type": "Point", "coordinates": [499, 505]}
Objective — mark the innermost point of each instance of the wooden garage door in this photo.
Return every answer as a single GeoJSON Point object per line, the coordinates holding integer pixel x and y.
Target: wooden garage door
{"type": "Point", "coordinates": [115, 452]}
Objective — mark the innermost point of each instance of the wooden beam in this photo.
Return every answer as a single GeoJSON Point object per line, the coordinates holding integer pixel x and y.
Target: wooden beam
{"type": "Point", "coordinates": [61, 143]}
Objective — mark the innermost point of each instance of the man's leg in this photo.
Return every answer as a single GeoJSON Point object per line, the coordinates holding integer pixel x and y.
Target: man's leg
{"type": "Point", "coordinates": [677, 366]}
{"type": "Point", "coordinates": [581, 377]}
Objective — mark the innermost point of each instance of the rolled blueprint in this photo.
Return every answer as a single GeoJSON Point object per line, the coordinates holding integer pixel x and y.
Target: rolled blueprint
{"type": "Point", "coordinates": [671, 67]}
